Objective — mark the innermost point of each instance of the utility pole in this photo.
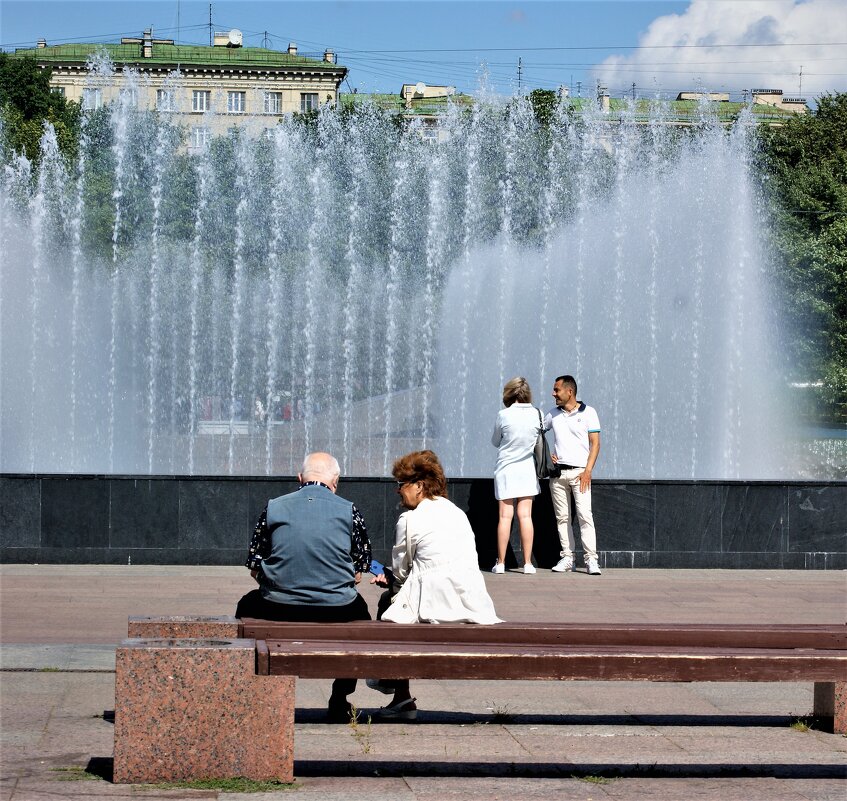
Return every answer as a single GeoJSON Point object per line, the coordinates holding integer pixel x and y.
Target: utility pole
{"type": "Point", "coordinates": [520, 68]}
{"type": "Point", "coordinates": [800, 90]}
{"type": "Point", "coordinates": [266, 43]}
{"type": "Point", "coordinates": [211, 39]}
{"type": "Point", "coordinates": [177, 21]}
{"type": "Point", "coordinates": [633, 90]}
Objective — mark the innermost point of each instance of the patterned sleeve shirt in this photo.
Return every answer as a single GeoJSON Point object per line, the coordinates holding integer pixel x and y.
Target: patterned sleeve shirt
{"type": "Point", "coordinates": [360, 549]}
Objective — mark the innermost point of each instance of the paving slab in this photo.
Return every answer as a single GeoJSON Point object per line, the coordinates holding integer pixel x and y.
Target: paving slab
{"type": "Point", "coordinates": [473, 740]}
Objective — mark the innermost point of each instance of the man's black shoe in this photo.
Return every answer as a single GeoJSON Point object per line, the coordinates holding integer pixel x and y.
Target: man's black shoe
{"type": "Point", "coordinates": [342, 712]}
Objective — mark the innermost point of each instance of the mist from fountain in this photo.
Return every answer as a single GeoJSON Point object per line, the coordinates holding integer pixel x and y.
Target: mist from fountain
{"type": "Point", "coordinates": [358, 285]}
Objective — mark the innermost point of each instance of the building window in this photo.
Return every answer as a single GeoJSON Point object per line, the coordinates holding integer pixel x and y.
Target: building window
{"type": "Point", "coordinates": [165, 100]}
{"type": "Point", "coordinates": [308, 102]}
{"type": "Point", "coordinates": [236, 102]}
{"type": "Point", "coordinates": [129, 97]}
{"type": "Point", "coordinates": [92, 99]}
{"type": "Point", "coordinates": [58, 90]}
{"type": "Point", "coordinates": [273, 102]}
{"type": "Point", "coordinates": [201, 100]}
{"type": "Point", "coordinates": [200, 136]}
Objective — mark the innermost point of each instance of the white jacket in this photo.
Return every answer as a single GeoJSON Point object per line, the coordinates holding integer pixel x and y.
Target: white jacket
{"type": "Point", "coordinates": [444, 584]}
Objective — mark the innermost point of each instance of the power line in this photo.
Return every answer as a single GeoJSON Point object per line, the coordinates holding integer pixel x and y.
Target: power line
{"type": "Point", "coordinates": [598, 47]}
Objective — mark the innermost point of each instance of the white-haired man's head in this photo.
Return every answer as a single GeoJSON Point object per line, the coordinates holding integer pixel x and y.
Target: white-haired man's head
{"type": "Point", "coordinates": [320, 467]}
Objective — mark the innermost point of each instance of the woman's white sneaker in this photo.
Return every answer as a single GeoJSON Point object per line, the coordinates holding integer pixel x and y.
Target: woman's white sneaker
{"type": "Point", "coordinates": [499, 568]}
{"type": "Point", "coordinates": [528, 568]}
{"type": "Point", "coordinates": [592, 566]}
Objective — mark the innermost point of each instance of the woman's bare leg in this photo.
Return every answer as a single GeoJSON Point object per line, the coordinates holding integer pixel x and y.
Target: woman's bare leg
{"type": "Point", "coordinates": [504, 528]}
{"type": "Point", "coordinates": [524, 506]}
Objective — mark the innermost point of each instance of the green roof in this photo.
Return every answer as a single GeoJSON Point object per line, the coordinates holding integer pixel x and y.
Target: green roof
{"type": "Point", "coordinates": [171, 55]}
{"type": "Point", "coordinates": [675, 110]}
{"type": "Point", "coordinates": [685, 109]}
{"type": "Point", "coordinates": [395, 102]}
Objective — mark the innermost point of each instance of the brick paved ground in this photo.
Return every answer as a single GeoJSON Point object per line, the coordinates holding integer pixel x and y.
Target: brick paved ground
{"type": "Point", "coordinates": [474, 740]}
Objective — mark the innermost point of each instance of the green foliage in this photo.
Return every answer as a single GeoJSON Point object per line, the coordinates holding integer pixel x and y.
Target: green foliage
{"type": "Point", "coordinates": [805, 166]}
{"type": "Point", "coordinates": [26, 103]}
{"type": "Point", "coordinates": [544, 103]}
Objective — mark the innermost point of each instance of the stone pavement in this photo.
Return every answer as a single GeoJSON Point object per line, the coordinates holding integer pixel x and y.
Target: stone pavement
{"type": "Point", "coordinates": [473, 740]}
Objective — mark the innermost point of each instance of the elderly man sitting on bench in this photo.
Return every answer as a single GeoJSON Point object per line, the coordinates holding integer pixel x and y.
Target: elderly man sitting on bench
{"type": "Point", "coordinates": [308, 552]}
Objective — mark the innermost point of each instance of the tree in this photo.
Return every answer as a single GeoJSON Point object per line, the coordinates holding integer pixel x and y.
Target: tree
{"type": "Point", "coordinates": [805, 164]}
{"type": "Point", "coordinates": [26, 102]}
{"type": "Point", "coordinates": [544, 102]}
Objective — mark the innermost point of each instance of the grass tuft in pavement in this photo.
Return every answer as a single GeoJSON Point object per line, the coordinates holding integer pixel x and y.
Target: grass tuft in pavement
{"type": "Point", "coordinates": [74, 773]}
{"type": "Point", "coordinates": [235, 785]}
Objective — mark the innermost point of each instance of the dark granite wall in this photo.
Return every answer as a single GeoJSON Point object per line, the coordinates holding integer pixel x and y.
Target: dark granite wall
{"type": "Point", "coordinates": [202, 520]}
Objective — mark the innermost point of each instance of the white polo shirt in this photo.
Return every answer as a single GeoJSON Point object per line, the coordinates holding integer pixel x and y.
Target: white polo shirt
{"type": "Point", "coordinates": [571, 430]}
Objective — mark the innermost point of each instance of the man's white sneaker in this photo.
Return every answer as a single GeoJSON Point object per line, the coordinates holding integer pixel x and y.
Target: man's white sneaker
{"type": "Point", "coordinates": [564, 565]}
{"type": "Point", "coordinates": [499, 568]}
{"type": "Point", "coordinates": [593, 567]}
{"type": "Point", "coordinates": [528, 568]}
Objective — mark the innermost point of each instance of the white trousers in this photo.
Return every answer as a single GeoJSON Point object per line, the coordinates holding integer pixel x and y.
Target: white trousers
{"type": "Point", "coordinates": [561, 489]}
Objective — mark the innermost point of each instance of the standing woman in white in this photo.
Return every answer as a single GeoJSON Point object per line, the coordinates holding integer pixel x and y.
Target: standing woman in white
{"type": "Point", "coordinates": [515, 482]}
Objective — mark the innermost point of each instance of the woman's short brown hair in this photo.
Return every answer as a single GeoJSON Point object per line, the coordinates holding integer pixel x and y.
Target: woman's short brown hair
{"type": "Point", "coordinates": [422, 466]}
{"type": "Point", "coordinates": [517, 391]}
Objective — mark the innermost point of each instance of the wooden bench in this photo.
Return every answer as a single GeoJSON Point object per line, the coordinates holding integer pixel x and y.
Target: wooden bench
{"type": "Point", "coordinates": [544, 651]}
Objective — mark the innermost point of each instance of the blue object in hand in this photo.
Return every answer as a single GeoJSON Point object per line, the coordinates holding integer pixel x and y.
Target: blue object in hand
{"type": "Point", "coordinates": [377, 568]}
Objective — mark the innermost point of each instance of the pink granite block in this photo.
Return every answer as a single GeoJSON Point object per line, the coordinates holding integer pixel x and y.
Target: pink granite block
{"type": "Point", "coordinates": [831, 702]}
{"type": "Point", "coordinates": [195, 709]}
{"type": "Point", "coordinates": [181, 626]}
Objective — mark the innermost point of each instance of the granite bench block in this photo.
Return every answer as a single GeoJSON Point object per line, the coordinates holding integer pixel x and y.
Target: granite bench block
{"type": "Point", "coordinates": [195, 709]}
{"type": "Point", "coordinates": [183, 626]}
{"type": "Point", "coordinates": [830, 701]}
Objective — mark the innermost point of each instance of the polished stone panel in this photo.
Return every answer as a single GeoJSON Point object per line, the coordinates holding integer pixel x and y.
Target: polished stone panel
{"type": "Point", "coordinates": [74, 512]}
{"type": "Point", "coordinates": [144, 513]}
{"type": "Point", "coordinates": [123, 520]}
{"type": "Point", "coordinates": [816, 518]}
{"type": "Point", "coordinates": [754, 518]}
{"type": "Point", "coordinates": [547, 548]}
{"type": "Point", "coordinates": [213, 513]}
{"type": "Point", "coordinates": [627, 559]}
{"type": "Point", "coordinates": [22, 556]}
{"type": "Point", "coordinates": [377, 502]}
{"type": "Point", "coordinates": [624, 516]}
{"type": "Point", "coordinates": [480, 506]}
{"type": "Point", "coordinates": [260, 492]}
{"type": "Point", "coordinates": [20, 512]}
{"type": "Point", "coordinates": [688, 517]}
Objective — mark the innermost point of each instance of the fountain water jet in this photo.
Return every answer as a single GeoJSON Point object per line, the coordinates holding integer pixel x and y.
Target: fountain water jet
{"type": "Point", "coordinates": [373, 288]}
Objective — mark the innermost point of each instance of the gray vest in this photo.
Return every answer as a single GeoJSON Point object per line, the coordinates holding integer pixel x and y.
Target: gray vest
{"type": "Point", "coordinates": [311, 539]}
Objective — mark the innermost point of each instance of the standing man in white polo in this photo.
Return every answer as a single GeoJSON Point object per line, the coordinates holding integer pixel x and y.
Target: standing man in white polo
{"type": "Point", "coordinates": [576, 428]}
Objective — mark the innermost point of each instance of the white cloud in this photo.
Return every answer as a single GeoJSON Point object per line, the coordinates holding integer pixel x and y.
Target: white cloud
{"type": "Point", "coordinates": [777, 38]}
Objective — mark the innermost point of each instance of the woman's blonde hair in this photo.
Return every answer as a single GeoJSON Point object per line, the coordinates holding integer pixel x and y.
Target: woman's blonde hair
{"type": "Point", "coordinates": [517, 391]}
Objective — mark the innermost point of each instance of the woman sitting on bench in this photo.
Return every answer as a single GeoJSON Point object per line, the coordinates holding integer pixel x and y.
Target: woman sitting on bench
{"type": "Point", "coordinates": [435, 565]}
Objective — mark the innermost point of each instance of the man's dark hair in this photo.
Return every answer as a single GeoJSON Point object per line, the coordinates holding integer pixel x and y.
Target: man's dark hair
{"type": "Point", "coordinates": [568, 381]}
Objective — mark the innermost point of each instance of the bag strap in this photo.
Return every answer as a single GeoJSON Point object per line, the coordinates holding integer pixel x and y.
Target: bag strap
{"type": "Point", "coordinates": [540, 421]}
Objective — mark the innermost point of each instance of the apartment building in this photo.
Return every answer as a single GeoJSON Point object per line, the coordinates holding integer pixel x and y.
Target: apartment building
{"type": "Point", "coordinates": [209, 88]}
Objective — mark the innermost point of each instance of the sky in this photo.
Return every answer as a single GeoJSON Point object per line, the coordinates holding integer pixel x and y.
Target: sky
{"type": "Point", "coordinates": [649, 47]}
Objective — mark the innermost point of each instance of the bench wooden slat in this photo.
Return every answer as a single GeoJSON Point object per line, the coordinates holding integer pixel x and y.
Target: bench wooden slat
{"type": "Point", "coordinates": [328, 659]}
{"type": "Point", "coordinates": [818, 636]}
